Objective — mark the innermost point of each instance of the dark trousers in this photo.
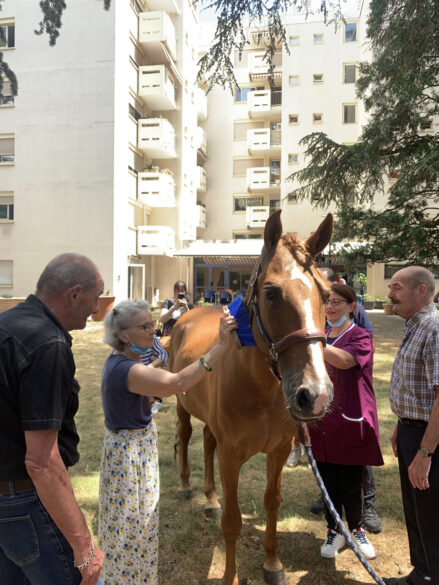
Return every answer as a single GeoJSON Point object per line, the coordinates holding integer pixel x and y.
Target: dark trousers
{"type": "Point", "coordinates": [368, 484]}
{"type": "Point", "coordinates": [421, 507]}
{"type": "Point", "coordinates": [343, 484]}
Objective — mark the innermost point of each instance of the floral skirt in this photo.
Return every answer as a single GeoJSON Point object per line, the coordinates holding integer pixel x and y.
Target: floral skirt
{"type": "Point", "coordinates": [129, 506]}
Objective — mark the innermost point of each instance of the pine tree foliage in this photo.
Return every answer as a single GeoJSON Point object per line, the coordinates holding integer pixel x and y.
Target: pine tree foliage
{"type": "Point", "coordinates": [386, 186]}
{"type": "Point", "coordinates": [52, 11]}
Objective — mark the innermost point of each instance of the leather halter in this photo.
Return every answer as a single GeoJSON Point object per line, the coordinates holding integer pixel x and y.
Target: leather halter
{"type": "Point", "coordinates": [275, 348]}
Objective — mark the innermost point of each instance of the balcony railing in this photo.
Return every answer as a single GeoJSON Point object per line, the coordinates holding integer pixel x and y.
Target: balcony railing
{"type": "Point", "coordinates": [255, 217]}
{"type": "Point", "coordinates": [264, 103]}
{"type": "Point", "coordinates": [156, 138]}
{"type": "Point", "coordinates": [260, 178]}
{"type": "Point", "coordinates": [258, 68]}
{"type": "Point", "coordinates": [201, 179]}
{"type": "Point", "coordinates": [156, 189]}
{"type": "Point", "coordinates": [155, 240]}
{"type": "Point", "coordinates": [156, 87]}
{"type": "Point", "coordinates": [263, 140]}
{"type": "Point", "coordinates": [201, 140]}
{"type": "Point", "coordinates": [201, 101]}
{"type": "Point", "coordinates": [156, 28]}
{"type": "Point", "coordinates": [201, 216]}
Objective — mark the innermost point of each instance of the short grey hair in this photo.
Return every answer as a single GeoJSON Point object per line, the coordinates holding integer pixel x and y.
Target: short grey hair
{"type": "Point", "coordinates": [417, 275]}
{"type": "Point", "coordinates": [119, 318]}
{"type": "Point", "coordinates": [66, 271]}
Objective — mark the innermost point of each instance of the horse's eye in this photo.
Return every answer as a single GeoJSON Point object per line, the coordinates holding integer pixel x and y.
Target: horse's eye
{"type": "Point", "coordinates": [272, 294]}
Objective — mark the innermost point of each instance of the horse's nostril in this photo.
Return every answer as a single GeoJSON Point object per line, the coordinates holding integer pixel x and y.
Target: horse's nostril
{"type": "Point", "coordinates": [303, 399]}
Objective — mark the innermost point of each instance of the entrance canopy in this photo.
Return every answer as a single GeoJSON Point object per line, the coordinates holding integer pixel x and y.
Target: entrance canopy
{"type": "Point", "coordinates": [222, 251]}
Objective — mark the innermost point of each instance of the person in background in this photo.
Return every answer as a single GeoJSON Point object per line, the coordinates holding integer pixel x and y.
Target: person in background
{"type": "Point", "coordinates": [414, 398]}
{"type": "Point", "coordinates": [209, 294]}
{"type": "Point", "coordinates": [347, 437]}
{"type": "Point", "coordinates": [173, 309]}
{"type": "Point", "coordinates": [371, 520]}
{"type": "Point", "coordinates": [44, 537]}
{"type": "Point", "coordinates": [129, 479]}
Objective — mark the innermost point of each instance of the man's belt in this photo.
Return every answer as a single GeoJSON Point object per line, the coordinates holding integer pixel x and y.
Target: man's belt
{"type": "Point", "coordinates": [415, 423]}
{"type": "Point", "coordinates": [16, 486]}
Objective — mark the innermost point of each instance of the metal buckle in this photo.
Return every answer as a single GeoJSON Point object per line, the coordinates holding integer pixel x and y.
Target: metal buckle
{"type": "Point", "coordinates": [273, 353]}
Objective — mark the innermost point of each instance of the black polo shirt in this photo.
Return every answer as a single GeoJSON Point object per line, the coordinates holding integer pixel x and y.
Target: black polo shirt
{"type": "Point", "coordinates": [38, 390]}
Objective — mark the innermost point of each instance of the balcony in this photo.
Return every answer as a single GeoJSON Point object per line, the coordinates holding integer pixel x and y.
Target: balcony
{"type": "Point", "coordinates": [255, 217]}
{"type": "Point", "coordinates": [156, 138]}
{"type": "Point", "coordinates": [200, 220]}
{"type": "Point", "coordinates": [169, 5]}
{"type": "Point", "coordinates": [201, 179]}
{"type": "Point", "coordinates": [155, 240]}
{"type": "Point", "coordinates": [201, 101]}
{"type": "Point", "coordinates": [201, 140]}
{"type": "Point", "coordinates": [156, 189]}
{"type": "Point", "coordinates": [265, 104]}
{"type": "Point", "coordinates": [262, 178]}
{"type": "Point", "coordinates": [156, 87]}
{"type": "Point", "coordinates": [264, 141]}
{"type": "Point", "coordinates": [259, 70]}
{"type": "Point", "coordinates": [157, 36]}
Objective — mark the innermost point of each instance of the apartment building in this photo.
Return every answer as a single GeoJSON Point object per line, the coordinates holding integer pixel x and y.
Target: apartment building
{"type": "Point", "coordinates": [101, 152]}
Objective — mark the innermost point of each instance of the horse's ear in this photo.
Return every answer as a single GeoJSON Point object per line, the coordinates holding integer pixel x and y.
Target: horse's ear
{"type": "Point", "coordinates": [273, 230]}
{"type": "Point", "coordinates": [319, 239]}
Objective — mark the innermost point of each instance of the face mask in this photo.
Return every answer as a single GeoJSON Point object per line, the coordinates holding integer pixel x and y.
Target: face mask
{"type": "Point", "coordinates": [137, 349]}
{"type": "Point", "coordinates": [339, 322]}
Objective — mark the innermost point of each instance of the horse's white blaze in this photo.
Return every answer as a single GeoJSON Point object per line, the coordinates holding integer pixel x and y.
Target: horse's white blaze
{"type": "Point", "coordinates": [317, 357]}
{"type": "Point", "coordinates": [297, 273]}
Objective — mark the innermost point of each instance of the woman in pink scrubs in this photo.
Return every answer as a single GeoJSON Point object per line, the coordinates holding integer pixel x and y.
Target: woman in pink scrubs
{"type": "Point", "coordinates": [347, 437]}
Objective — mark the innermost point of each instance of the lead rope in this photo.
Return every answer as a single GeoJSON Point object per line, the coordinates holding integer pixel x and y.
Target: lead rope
{"type": "Point", "coordinates": [305, 440]}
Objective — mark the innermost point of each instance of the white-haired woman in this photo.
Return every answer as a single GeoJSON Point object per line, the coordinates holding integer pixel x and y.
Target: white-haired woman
{"type": "Point", "coordinates": [129, 482]}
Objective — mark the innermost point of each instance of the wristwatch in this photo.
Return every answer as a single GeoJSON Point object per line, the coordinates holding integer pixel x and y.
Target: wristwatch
{"type": "Point", "coordinates": [425, 452]}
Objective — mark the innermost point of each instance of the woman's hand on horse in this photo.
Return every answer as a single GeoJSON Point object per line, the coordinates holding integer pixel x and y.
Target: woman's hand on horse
{"type": "Point", "coordinates": [227, 324]}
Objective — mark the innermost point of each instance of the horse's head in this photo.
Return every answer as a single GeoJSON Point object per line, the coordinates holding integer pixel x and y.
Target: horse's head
{"type": "Point", "coordinates": [286, 300]}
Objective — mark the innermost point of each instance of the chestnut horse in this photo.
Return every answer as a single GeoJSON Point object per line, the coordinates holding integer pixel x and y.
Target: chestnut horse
{"type": "Point", "coordinates": [245, 408]}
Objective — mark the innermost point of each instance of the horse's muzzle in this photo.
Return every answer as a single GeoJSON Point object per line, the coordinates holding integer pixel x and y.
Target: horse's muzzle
{"type": "Point", "coordinates": [307, 404]}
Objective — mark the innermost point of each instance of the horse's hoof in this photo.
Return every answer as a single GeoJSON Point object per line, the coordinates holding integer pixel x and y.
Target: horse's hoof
{"type": "Point", "coordinates": [184, 495]}
{"type": "Point", "coordinates": [274, 577]}
{"type": "Point", "coordinates": [213, 513]}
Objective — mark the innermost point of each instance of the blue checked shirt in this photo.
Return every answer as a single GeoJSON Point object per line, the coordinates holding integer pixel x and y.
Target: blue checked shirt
{"type": "Point", "coordinates": [415, 370]}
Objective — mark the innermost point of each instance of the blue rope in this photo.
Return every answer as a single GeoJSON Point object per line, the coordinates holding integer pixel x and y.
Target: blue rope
{"type": "Point", "coordinates": [337, 518]}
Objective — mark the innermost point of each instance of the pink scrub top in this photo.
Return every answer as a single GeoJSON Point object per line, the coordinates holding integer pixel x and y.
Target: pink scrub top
{"type": "Point", "coordinates": [349, 434]}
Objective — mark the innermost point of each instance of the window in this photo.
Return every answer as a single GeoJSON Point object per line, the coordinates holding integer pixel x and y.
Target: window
{"type": "Point", "coordinates": [293, 119]}
{"type": "Point", "coordinates": [241, 202]}
{"type": "Point", "coordinates": [133, 112]}
{"type": "Point", "coordinates": [293, 158]}
{"type": "Point", "coordinates": [7, 99]}
{"type": "Point", "coordinates": [294, 41]}
{"type": "Point", "coordinates": [292, 198]}
{"type": "Point", "coordinates": [274, 203]}
{"type": "Point", "coordinates": [349, 113]}
{"type": "Point", "coordinates": [293, 80]}
{"type": "Point", "coordinates": [6, 273]}
{"type": "Point", "coordinates": [317, 118]}
{"type": "Point", "coordinates": [275, 171]}
{"type": "Point", "coordinates": [427, 124]}
{"type": "Point", "coordinates": [350, 32]}
{"type": "Point", "coordinates": [349, 73]}
{"type": "Point", "coordinates": [7, 148]}
{"type": "Point", "coordinates": [7, 36]}
{"type": "Point", "coordinates": [317, 78]}
{"type": "Point", "coordinates": [6, 208]}
{"type": "Point", "coordinates": [241, 94]}
{"type": "Point", "coordinates": [318, 38]}
{"type": "Point", "coordinates": [393, 175]}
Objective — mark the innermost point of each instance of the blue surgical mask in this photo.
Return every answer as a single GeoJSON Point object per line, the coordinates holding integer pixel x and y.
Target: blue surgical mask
{"type": "Point", "coordinates": [137, 349]}
{"type": "Point", "coordinates": [339, 322]}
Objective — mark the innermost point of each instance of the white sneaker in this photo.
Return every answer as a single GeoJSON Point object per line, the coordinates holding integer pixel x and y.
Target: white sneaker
{"type": "Point", "coordinates": [363, 543]}
{"type": "Point", "coordinates": [333, 543]}
{"type": "Point", "coordinates": [294, 456]}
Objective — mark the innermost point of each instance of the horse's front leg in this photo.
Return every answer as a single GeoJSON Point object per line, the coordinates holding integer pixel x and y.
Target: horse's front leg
{"type": "Point", "coordinates": [184, 432]}
{"type": "Point", "coordinates": [229, 466]}
{"type": "Point", "coordinates": [273, 568]}
{"type": "Point", "coordinates": [213, 508]}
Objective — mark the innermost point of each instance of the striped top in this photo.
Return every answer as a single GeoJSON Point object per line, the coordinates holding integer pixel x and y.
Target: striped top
{"type": "Point", "coordinates": [415, 370]}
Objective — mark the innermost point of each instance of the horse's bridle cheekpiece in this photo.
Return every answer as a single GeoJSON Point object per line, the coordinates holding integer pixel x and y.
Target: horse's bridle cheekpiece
{"type": "Point", "coordinates": [275, 348]}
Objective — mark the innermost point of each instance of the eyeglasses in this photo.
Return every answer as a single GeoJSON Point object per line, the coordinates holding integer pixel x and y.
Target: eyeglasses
{"type": "Point", "coordinates": [145, 327]}
{"type": "Point", "coordinates": [334, 302]}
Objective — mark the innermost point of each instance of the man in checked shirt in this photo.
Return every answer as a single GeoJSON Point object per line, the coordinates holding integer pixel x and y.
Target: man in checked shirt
{"type": "Point", "coordinates": [414, 399]}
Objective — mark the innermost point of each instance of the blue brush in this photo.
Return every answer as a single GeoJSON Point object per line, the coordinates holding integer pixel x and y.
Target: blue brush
{"type": "Point", "coordinates": [239, 310]}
